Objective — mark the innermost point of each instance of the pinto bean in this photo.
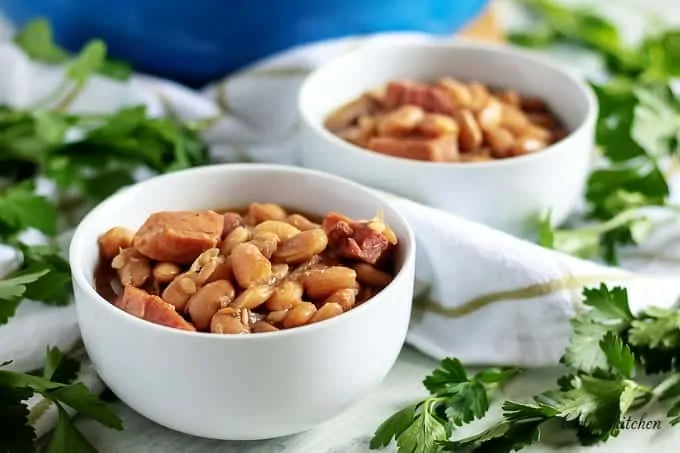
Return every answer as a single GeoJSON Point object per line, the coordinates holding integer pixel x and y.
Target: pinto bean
{"type": "Point", "coordinates": [346, 298]}
{"type": "Point", "coordinates": [319, 283]}
{"type": "Point", "coordinates": [280, 228]}
{"type": "Point", "coordinates": [166, 272]}
{"type": "Point", "coordinates": [301, 247]}
{"type": "Point", "coordinates": [401, 121]}
{"type": "Point", "coordinates": [371, 276]}
{"type": "Point", "coordinates": [285, 296]}
{"type": "Point", "coordinates": [470, 136]}
{"type": "Point", "coordinates": [259, 212]}
{"type": "Point", "coordinates": [133, 268]}
{"type": "Point", "coordinates": [299, 315]}
{"type": "Point", "coordinates": [115, 240]}
{"type": "Point", "coordinates": [228, 321]}
{"type": "Point", "coordinates": [249, 265]}
{"type": "Point", "coordinates": [327, 311]}
{"type": "Point", "coordinates": [207, 301]}
{"type": "Point", "coordinates": [301, 222]}
{"type": "Point", "coordinates": [263, 326]}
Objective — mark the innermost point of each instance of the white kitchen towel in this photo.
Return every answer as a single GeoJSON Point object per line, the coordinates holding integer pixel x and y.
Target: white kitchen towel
{"type": "Point", "coordinates": [483, 296]}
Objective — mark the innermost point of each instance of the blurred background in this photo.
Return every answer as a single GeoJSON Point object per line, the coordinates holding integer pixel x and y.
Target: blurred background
{"type": "Point", "coordinates": [199, 41]}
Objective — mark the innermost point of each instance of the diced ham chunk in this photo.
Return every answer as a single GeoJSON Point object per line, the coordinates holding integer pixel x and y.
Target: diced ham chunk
{"type": "Point", "coordinates": [430, 98]}
{"type": "Point", "coordinates": [354, 240]}
{"type": "Point", "coordinates": [442, 149]}
{"type": "Point", "coordinates": [151, 308]}
{"type": "Point", "coordinates": [178, 236]}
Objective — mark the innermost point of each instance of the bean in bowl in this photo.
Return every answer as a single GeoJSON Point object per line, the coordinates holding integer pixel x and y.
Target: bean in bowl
{"type": "Point", "coordinates": [258, 270]}
{"type": "Point", "coordinates": [446, 121]}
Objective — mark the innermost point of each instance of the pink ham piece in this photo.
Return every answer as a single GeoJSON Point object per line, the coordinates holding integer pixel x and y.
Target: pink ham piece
{"type": "Point", "coordinates": [151, 308]}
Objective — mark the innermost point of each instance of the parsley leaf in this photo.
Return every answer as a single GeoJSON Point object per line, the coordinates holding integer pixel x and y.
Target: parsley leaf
{"type": "Point", "coordinates": [67, 438]}
{"type": "Point", "coordinates": [11, 291]}
{"type": "Point", "coordinates": [618, 355]}
{"type": "Point", "coordinates": [59, 367]}
{"type": "Point", "coordinates": [14, 419]}
{"type": "Point", "coordinates": [37, 41]}
{"type": "Point", "coordinates": [21, 208]}
{"type": "Point", "coordinates": [456, 399]}
{"type": "Point", "coordinates": [609, 313]}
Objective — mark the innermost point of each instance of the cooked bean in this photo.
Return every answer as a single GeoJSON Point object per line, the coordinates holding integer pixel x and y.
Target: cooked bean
{"type": "Point", "coordinates": [500, 141]}
{"type": "Point", "coordinates": [323, 282]}
{"type": "Point", "coordinates": [205, 265]}
{"type": "Point", "coordinates": [514, 120]}
{"type": "Point", "coordinates": [348, 113]}
{"type": "Point", "coordinates": [436, 125]}
{"type": "Point", "coordinates": [285, 296]}
{"type": "Point", "coordinates": [301, 247]}
{"type": "Point", "coordinates": [457, 91]}
{"type": "Point", "coordinates": [378, 225]}
{"type": "Point", "coordinates": [371, 276]}
{"type": "Point", "coordinates": [231, 221]}
{"type": "Point", "coordinates": [470, 137]}
{"type": "Point", "coordinates": [401, 121]}
{"type": "Point", "coordinates": [133, 268]}
{"type": "Point", "coordinates": [207, 301]}
{"type": "Point", "coordinates": [301, 222]}
{"type": "Point", "coordinates": [368, 125]}
{"type": "Point", "coordinates": [537, 132]}
{"type": "Point", "coordinates": [481, 155]}
{"type": "Point", "coordinates": [480, 96]}
{"type": "Point", "coordinates": [490, 116]}
{"type": "Point", "coordinates": [237, 236]}
{"type": "Point", "coordinates": [253, 297]}
{"type": "Point", "coordinates": [280, 228]}
{"type": "Point", "coordinates": [259, 212]}
{"type": "Point", "coordinates": [277, 317]}
{"type": "Point", "coordinates": [355, 135]}
{"type": "Point", "coordinates": [346, 298]}
{"type": "Point", "coordinates": [115, 240]}
{"type": "Point", "coordinates": [265, 242]}
{"type": "Point", "coordinates": [327, 311]}
{"type": "Point", "coordinates": [509, 97]}
{"type": "Point", "coordinates": [280, 271]}
{"type": "Point", "coordinates": [223, 270]}
{"type": "Point", "coordinates": [526, 145]}
{"type": "Point", "coordinates": [180, 290]}
{"type": "Point", "coordinates": [227, 321]}
{"type": "Point", "coordinates": [165, 272]}
{"type": "Point", "coordinates": [262, 326]}
{"type": "Point", "coordinates": [249, 265]}
{"type": "Point", "coordinates": [299, 315]}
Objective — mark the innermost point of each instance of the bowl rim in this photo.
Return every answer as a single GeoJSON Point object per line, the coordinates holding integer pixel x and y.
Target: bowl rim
{"type": "Point", "coordinates": [79, 271]}
{"type": "Point", "coordinates": [534, 57]}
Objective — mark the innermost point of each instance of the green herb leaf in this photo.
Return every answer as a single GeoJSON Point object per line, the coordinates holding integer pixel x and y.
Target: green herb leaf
{"type": "Point", "coordinates": [36, 39]}
{"type": "Point", "coordinates": [619, 355]}
{"type": "Point", "coordinates": [67, 438]}
{"type": "Point", "coordinates": [393, 427]}
{"type": "Point", "coordinates": [59, 367]}
{"type": "Point", "coordinates": [11, 292]}
{"type": "Point", "coordinates": [425, 431]}
{"type": "Point", "coordinates": [444, 378]}
{"type": "Point", "coordinates": [656, 328]}
{"type": "Point", "coordinates": [21, 208]}
{"type": "Point", "coordinates": [86, 403]}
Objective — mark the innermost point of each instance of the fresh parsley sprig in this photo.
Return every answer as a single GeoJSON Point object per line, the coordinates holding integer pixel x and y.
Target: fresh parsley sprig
{"type": "Point", "coordinates": [611, 350]}
{"type": "Point", "coordinates": [57, 385]}
{"type": "Point", "coordinates": [637, 129]}
{"type": "Point", "coordinates": [455, 399]}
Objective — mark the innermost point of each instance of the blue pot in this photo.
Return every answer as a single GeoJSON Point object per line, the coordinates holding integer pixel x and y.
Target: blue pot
{"type": "Point", "coordinates": [198, 41]}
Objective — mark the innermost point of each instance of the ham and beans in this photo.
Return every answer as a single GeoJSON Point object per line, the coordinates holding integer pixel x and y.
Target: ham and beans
{"type": "Point", "coordinates": [446, 121]}
{"type": "Point", "coordinates": [257, 270]}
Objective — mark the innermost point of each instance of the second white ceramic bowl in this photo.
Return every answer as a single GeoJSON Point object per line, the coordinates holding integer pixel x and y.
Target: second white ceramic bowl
{"type": "Point", "coordinates": [241, 387]}
{"type": "Point", "coordinates": [506, 194]}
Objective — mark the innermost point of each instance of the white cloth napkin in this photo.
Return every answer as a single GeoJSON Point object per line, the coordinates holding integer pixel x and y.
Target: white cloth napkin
{"type": "Point", "coordinates": [483, 296]}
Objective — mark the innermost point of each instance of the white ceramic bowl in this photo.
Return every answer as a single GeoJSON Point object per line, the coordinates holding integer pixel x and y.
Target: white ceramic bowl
{"type": "Point", "coordinates": [505, 194]}
{"type": "Point", "coordinates": [252, 386]}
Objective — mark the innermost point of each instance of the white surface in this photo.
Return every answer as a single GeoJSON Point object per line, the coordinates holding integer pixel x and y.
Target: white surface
{"type": "Point", "coordinates": [232, 386]}
{"type": "Point", "coordinates": [504, 194]}
{"type": "Point", "coordinates": [469, 263]}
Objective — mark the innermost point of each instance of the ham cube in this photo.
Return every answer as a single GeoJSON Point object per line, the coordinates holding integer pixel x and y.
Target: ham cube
{"type": "Point", "coordinates": [355, 240]}
{"type": "Point", "coordinates": [442, 149]}
{"type": "Point", "coordinates": [431, 98]}
{"type": "Point", "coordinates": [178, 236]}
{"type": "Point", "coordinates": [151, 308]}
